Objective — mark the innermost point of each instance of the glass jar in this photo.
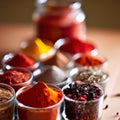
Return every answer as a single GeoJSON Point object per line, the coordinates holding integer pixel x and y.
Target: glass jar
{"type": "Point", "coordinates": [55, 19]}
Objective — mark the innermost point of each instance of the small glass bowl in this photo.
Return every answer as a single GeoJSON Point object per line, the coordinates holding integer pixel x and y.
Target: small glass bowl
{"type": "Point", "coordinates": [7, 57]}
{"type": "Point", "coordinates": [84, 109]}
{"type": "Point", "coordinates": [85, 60]}
{"type": "Point", "coordinates": [33, 113]}
{"type": "Point", "coordinates": [21, 84]}
{"type": "Point", "coordinates": [70, 52]}
{"type": "Point", "coordinates": [7, 107]}
{"type": "Point", "coordinates": [53, 75]}
{"type": "Point", "coordinates": [89, 75]}
{"type": "Point", "coordinates": [34, 50]}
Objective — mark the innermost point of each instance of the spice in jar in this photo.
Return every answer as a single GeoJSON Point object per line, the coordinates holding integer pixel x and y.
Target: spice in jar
{"type": "Point", "coordinates": [83, 101]}
{"type": "Point", "coordinates": [90, 75]}
{"type": "Point", "coordinates": [88, 60]}
{"type": "Point", "coordinates": [59, 19]}
{"type": "Point", "coordinates": [38, 49]}
{"type": "Point", "coordinates": [6, 102]}
{"type": "Point", "coordinates": [53, 75]}
{"type": "Point", "coordinates": [74, 46]}
{"type": "Point", "coordinates": [39, 102]}
{"type": "Point", "coordinates": [59, 59]}
{"type": "Point", "coordinates": [16, 77]}
{"type": "Point", "coordinates": [20, 60]}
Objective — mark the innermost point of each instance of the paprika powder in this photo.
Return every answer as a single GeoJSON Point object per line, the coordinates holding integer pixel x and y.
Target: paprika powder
{"type": "Point", "coordinates": [19, 60]}
{"type": "Point", "coordinates": [39, 102]}
{"type": "Point", "coordinates": [88, 60]}
{"type": "Point", "coordinates": [74, 46]}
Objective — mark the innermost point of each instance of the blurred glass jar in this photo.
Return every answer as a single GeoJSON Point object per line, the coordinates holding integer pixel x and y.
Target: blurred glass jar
{"type": "Point", "coordinates": [57, 19]}
{"type": "Point", "coordinates": [7, 99]}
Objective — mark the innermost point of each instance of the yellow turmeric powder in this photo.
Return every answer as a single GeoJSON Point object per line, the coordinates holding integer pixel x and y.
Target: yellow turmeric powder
{"type": "Point", "coordinates": [37, 47]}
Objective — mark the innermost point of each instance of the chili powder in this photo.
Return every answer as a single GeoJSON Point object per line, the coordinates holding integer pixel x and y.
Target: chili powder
{"type": "Point", "coordinates": [20, 60]}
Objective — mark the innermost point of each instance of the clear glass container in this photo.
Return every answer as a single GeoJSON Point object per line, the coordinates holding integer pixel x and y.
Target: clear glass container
{"type": "Point", "coordinates": [15, 79]}
{"type": "Point", "coordinates": [84, 109]}
{"type": "Point", "coordinates": [10, 57]}
{"type": "Point", "coordinates": [33, 113]}
{"type": "Point", "coordinates": [6, 104]}
{"type": "Point", "coordinates": [90, 75]}
{"type": "Point", "coordinates": [55, 19]}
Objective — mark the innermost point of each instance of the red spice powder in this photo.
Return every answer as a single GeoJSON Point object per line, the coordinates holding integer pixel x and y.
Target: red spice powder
{"type": "Point", "coordinates": [14, 77]}
{"type": "Point", "coordinates": [40, 95]}
{"type": "Point", "coordinates": [87, 60]}
{"type": "Point", "coordinates": [21, 60]}
{"type": "Point", "coordinates": [77, 46]}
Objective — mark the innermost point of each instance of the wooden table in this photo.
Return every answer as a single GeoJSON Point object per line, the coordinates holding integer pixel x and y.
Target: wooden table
{"type": "Point", "coordinates": [106, 40]}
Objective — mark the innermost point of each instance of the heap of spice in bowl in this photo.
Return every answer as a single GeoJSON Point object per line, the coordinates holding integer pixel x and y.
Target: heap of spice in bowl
{"type": "Point", "coordinates": [7, 100]}
{"type": "Point", "coordinates": [38, 49]}
{"type": "Point", "coordinates": [39, 102]}
{"type": "Point", "coordinates": [89, 60]}
{"type": "Point", "coordinates": [75, 46]}
{"type": "Point", "coordinates": [90, 75]}
{"type": "Point", "coordinates": [83, 101]}
{"type": "Point", "coordinates": [16, 77]}
{"type": "Point", "coordinates": [20, 60]}
{"type": "Point", "coordinates": [53, 75]}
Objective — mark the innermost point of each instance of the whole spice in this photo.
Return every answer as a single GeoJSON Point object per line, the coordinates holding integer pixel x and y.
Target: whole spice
{"type": "Point", "coordinates": [6, 102]}
{"type": "Point", "coordinates": [90, 75]}
{"type": "Point", "coordinates": [74, 46]}
{"type": "Point", "coordinates": [20, 60]}
{"type": "Point", "coordinates": [39, 102]}
{"type": "Point", "coordinates": [83, 101]}
{"type": "Point", "coordinates": [88, 60]}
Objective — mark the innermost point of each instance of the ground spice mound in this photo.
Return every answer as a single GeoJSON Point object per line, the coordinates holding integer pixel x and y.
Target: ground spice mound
{"type": "Point", "coordinates": [20, 60]}
{"type": "Point", "coordinates": [40, 95]}
{"type": "Point", "coordinates": [5, 95]}
{"type": "Point", "coordinates": [76, 46]}
{"type": "Point", "coordinates": [14, 77]}
{"type": "Point", "coordinates": [52, 74]}
{"type": "Point", "coordinates": [87, 60]}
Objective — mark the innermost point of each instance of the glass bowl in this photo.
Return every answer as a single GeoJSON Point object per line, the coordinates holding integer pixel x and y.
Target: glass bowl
{"type": "Point", "coordinates": [16, 77]}
{"type": "Point", "coordinates": [9, 61]}
{"type": "Point", "coordinates": [36, 113]}
{"type": "Point", "coordinates": [7, 102]}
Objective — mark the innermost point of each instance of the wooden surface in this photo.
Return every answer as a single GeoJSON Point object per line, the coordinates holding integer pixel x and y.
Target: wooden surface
{"type": "Point", "coordinates": [106, 40]}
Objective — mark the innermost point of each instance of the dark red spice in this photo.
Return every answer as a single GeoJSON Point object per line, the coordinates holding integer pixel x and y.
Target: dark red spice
{"type": "Point", "coordinates": [14, 77]}
{"type": "Point", "coordinates": [21, 60]}
{"type": "Point", "coordinates": [77, 46]}
{"type": "Point", "coordinates": [88, 60]}
{"type": "Point", "coordinates": [86, 101]}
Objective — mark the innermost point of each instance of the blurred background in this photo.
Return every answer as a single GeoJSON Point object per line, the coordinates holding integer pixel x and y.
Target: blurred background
{"type": "Point", "coordinates": [99, 13]}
